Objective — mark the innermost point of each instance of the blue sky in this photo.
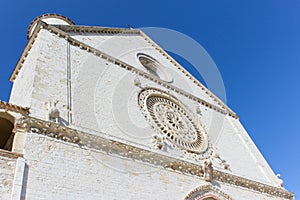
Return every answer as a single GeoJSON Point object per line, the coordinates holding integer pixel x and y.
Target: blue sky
{"type": "Point", "coordinates": [254, 43]}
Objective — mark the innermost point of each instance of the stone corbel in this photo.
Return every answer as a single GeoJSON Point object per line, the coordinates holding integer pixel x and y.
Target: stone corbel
{"type": "Point", "coordinates": [19, 136]}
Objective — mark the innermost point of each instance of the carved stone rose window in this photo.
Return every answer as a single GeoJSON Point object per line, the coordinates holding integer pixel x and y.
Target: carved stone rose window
{"type": "Point", "coordinates": [170, 118]}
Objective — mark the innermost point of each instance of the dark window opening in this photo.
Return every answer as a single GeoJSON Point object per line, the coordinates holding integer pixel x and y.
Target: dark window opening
{"type": "Point", "coordinates": [6, 134]}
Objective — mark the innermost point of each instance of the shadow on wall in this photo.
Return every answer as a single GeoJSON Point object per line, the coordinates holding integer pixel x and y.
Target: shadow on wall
{"type": "Point", "coordinates": [24, 182]}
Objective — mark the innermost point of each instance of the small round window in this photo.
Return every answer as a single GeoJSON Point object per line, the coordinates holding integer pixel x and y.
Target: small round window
{"type": "Point", "coordinates": [154, 67]}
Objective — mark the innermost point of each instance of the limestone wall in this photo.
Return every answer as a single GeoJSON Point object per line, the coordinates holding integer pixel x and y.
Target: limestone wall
{"type": "Point", "coordinates": [59, 170]}
{"type": "Point", "coordinates": [64, 171]}
{"type": "Point", "coordinates": [7, 170]}
{"type": "Point", "coordinates": [125, 47]}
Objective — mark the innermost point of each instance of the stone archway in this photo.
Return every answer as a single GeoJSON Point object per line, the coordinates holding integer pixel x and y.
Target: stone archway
{"type": "Point", "coordinates": [207, 192]}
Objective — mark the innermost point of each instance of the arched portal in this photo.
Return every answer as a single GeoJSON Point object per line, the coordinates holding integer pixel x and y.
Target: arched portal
{"type": "Point", "coordinates": [207, 192]}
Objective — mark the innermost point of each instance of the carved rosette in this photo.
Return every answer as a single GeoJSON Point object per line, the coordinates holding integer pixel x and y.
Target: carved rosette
{"type": "Point", "coordinates": [170, 118]}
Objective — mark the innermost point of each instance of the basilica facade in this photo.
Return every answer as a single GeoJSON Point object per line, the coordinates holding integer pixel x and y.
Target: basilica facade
{"type": "Point", "coordinates": [105, 113]}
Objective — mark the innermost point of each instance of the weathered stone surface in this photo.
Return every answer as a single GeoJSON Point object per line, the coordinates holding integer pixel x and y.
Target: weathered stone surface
{"type": "Point", "coordinates": [7, 170]}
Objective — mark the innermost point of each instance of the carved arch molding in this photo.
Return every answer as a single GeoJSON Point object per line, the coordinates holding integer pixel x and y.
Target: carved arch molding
{"type": "Point", "coordinates": [207, 192]}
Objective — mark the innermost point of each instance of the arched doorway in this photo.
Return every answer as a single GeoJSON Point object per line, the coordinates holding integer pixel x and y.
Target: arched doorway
{"type": "Point", "coordinates": [207, 192]}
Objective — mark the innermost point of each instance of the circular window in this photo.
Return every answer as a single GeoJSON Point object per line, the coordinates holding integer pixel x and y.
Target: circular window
{"type": "Point", "coordinates": [168, 116]}
{"type": "Point", "coordinates": [154, 67]}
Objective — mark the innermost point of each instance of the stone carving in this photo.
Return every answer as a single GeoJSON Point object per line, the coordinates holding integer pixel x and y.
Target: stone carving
{"type": "Point", "coordinates": [252, 185]}
{"type": "Point", "coordinates": [204, 190]}
{"type": "Point", "coordinates": [137, 82]}
{"type": "Point", "coordinates": [279, 180]}
{"type": "Point", "coordinates": [172, 120]}
{"type": "Point", "coordinates": [159, 141]}
{"type": "Point", "coordinates": [198, 110]}
{"type": "Point", "coordinates": [208, 171]}
{"type": "Point", "coordinates": [54, 112]}
{"type": "Point", "coordinates": [51, 129]}
{"type": "Point", "coordinates": [221, 162]}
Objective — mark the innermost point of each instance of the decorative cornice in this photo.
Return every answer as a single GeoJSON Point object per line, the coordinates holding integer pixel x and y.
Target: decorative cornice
{"type": "Point", "coordinates": [9, 154]}
{"type": "Point", "coordinates": [26, 51]}
{"type": "Point", "coordinates": [252, 185]}
{"type": "Point", "coordinates": [120, 147]}
{"type": "Point", "coordinates": [42, 25]}
{"type": "Point", "coordinates": [203, 190]}
{"type": "Point", "coordinates": [97, 29]}
{"type": "Point", "coordinates": [14, 108]}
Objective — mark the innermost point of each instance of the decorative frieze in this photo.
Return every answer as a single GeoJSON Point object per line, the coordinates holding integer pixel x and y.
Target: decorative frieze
{"type": "Point", "coordinates": [116, 146]}
{"type": "Point", "coordinates": [97, 29]}
{"type": "Point", "coordinates": [50, 129]}
{"type": "Point", "coordinates": [250, 184]}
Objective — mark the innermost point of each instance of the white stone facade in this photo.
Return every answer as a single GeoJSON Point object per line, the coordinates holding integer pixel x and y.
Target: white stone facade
{"type": "Point", "coordinates": [7, 175]}
{"type": "Point", "coordinates": [99, 145]}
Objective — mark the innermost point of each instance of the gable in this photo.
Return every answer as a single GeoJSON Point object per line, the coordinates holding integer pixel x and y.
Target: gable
{"type": "Point", "coordinates": [106, 77]}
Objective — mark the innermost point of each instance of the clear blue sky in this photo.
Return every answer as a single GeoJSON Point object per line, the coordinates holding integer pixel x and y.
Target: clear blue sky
{"type": "Point", "coordinates": [255, 44]}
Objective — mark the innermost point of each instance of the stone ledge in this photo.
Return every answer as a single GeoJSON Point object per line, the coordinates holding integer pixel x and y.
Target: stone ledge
{"type": "Point", "coordinates": [128, 150]}
{"type": "Point", "coordinates": [9, 154]}
{"type": "Point", "coordinates": [252, 185]}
